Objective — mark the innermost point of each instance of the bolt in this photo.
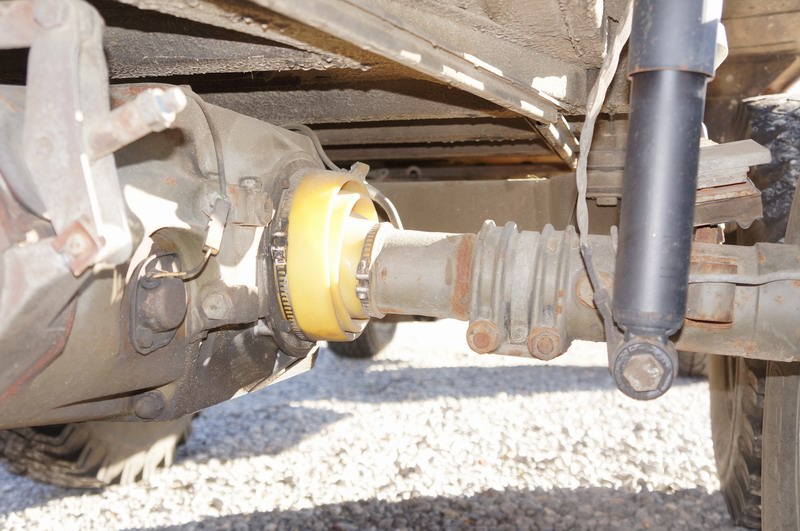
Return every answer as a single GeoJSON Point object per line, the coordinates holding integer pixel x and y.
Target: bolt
{"type": "Point", "coordinates": [248, 183]}
{"type": "Point", "coordinates": [544, 343]}
{"type": "Point", "coordinates": [217, 306]}
{"type": "Point", "coordinates": [76, 244]}
{"type": "Point", "coordinates": [584, 290]}
{"type": "Point", "coordinates": [518, 335]}
{"type": "Point", "coordinates": [482, 336]}
{"type": "Point", "coordinates": [643, 372]}
{"type": "Point", "coordinates": [149, 405]}
{"type": "Point", "coordinates": [50, 13]}
{"type": "Point", "coordinates": [644, 368]}
{"type": "Point", "coordinates": [170, 102]}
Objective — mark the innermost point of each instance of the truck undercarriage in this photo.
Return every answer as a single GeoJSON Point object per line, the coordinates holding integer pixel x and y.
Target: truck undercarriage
{"type": "Point", "coordinates": [195, 194]}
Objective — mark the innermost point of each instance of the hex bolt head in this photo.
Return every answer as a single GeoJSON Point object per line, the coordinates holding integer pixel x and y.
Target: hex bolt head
{"type": "Point", "coordinates": [644, 368]}
{"type": "Point", "coordinates": [544, 343]}
{"type": "Point", "coordinates": [149, 405]}
{"type": "Point", "coordinates": [77, 244]}
{"type": "Point", "coordinates": [217, 305]}
{"type": "Point", "coordinates": [482, 336]}
{"type": "Point", "coordinates": [643, 372]}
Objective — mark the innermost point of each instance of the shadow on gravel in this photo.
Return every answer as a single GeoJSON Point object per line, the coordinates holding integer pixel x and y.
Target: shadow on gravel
{"type": "Point", "coordinates": [560, 508]}
{"type": "Point", "coordinates": [28, 493]}
{"type": "Point", "coordinates": [223, 433]}
{"type": "Point", "coordinates": [365, 381]}
{"type": "Point", "coordinates": [268, 422]}
{"type": "Point", "coordinates": [266, 429]}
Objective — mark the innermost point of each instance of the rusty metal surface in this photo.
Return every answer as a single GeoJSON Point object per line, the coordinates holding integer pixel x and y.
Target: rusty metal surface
{"type": "Point", "coordinates": [711, 303]}
{"type": "Point", "coordinates": [429, 281]}
{"type": "Point", "coordinates": [740, 203]}
{"type": "Point", "coordinates": [482, 336]}
{"type": "Point", "coordinates": [529, 295]}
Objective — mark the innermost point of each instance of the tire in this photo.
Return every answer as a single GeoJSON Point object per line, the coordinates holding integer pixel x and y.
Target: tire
{"type": "Point", "coordinates": [755, 405]}
{"type": "Point", "coordinates": [93, 454]}
{"type": "Point", "coordinates": [737, 407]}
{"type": "Point", "coordinates": [375, 337]}
{"type": "Point", "coordinates": [773, 122]}
{"type": "Point", "coordinates": [781, 463]}
{"type": "Point", "coordinates": [692, 364]}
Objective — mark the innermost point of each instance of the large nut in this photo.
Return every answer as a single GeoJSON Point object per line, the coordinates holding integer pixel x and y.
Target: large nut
{"type": "Point", "coordinates": [544, 343]}
{"type": "Point", "coordinates": [643, 372]}
{"type": "Point", "coordinates": [644, 368]}
{"type": "Point", "coordinates": [482, 336]}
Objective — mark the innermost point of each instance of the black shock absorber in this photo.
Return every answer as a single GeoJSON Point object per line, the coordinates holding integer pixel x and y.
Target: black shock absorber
{"type": "Point", "coordinates": [671, 59]}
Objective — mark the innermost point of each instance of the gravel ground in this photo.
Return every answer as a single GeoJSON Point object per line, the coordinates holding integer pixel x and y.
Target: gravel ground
{"type": "Point", "coordinates": [427, 435]}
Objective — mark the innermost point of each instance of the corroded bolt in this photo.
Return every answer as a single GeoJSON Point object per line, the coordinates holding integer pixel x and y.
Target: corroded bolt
{"type": "Point", "coordinates": [76, 244]}
{"type": "Point", "coordinates": [544, 343]}
{"type": "Point", "coordinates": [149, 405]}
{"type": "Point", "coordinates": [217, 306]}
{"type": "Point", "coordinates": [644, 367]}
{"type": "Point", "coordinates": [643, 372]}
{"type": "Point", "coordinates": [482, 336]}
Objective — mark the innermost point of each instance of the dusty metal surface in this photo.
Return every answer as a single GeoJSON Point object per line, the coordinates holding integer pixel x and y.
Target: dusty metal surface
{"type": "Point", "coordinates": [175, 351]}
{"type": "Point", "coordinates": [462, 206]}
{"type": "Point", "coordinates": [169, 179]}
{"type": "Point", "coordinates": [439, 273]}
{"type": "Point", "coordinates": [528, 293]}
{"type": "Point", "coordinates": [472, 47]}
{"type": "Point", "coordinates": [366, 101]}
{"type": "Point", "coordinates": [524, 151]}
{"type": "Point", "coordinates": [200, 40]}
{"type": "Point", "coordinates": [372, 27]}
{"type": "Point", "coordinates": [87, 212]}
{"type": "Point", "coordinates": [725, 194]}
{"type": "Point", "coordinates": [441, 131]}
